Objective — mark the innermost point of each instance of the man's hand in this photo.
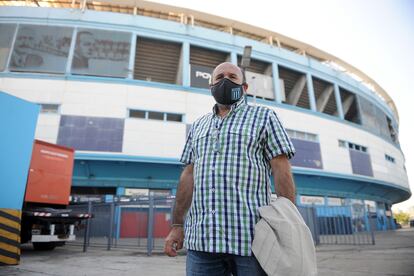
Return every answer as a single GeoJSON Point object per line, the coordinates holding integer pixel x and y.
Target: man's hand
{"type": "Point", "coordinates": [174, 241]}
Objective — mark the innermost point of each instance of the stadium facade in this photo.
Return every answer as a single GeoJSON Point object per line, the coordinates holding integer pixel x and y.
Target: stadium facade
{"type": "Point", "coordinates": [122, 81]}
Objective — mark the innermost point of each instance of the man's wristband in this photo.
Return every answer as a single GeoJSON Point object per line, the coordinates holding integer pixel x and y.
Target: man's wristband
{"type": "Point", "coordinates": [177, 225]}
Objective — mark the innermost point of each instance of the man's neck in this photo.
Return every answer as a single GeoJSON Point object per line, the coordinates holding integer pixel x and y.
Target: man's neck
{"type": "Point", "coordinates": [223, 110]}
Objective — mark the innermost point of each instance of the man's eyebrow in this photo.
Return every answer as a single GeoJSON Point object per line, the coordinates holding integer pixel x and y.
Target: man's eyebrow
{"type": "Point", "coordinates": [219, 75]}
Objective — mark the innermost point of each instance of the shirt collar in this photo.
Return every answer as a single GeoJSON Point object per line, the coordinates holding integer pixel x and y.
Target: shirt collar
{"type": "Point", "coordinates": [234, 107]}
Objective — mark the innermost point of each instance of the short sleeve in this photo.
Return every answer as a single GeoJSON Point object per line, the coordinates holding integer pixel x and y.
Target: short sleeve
{"type": "Point", "coordinates": [187, 156]}
{"type": "Point", "coordinates": [277, 141]}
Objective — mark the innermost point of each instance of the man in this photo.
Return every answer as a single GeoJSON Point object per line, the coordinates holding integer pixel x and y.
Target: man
{"type": "Point", "coordinates": [84, 50]}
{"type": "Point", "coordinates": [229, 156]}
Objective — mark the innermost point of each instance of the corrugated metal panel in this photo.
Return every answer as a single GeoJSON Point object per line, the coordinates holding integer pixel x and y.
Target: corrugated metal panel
{"type": "Point", "coordinates": [207, 57]}
{"type": "Point", "coordinates": [157, 60]}
{"type": "Point", "coordinates": [256, 66]}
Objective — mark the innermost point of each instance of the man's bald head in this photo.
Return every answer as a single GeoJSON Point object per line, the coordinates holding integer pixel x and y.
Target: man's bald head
{"type": "Point", "coordinates": [227, 70]}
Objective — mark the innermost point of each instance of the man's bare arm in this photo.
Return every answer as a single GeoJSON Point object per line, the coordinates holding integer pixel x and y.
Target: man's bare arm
{"type": "Point", "coordinates": [184, 195]}
{"type": "Point", "coordinates": [282, 176]}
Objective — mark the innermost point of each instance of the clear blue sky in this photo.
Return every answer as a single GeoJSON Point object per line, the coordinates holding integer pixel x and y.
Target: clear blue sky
{"type": "Point", "coordinates": [376, 36]}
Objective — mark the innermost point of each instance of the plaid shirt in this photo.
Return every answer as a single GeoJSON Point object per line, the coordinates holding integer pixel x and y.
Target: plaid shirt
{"type": "Point", "coordinates": [231, 175]}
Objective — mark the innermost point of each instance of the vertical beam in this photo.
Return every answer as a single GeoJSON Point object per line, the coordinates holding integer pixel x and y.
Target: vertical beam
{"type": "Point", "coordinates": [150, 238]}
{"type": "Point", "coordinates": [132, 53]}
{"type": "Point", "coordinates": [276, 83]}
{"type": "Point", "coordinates": [296, 92]}
{"type": "Point", "coordinates": [71, 51]}
{"type": "Point", "coordinates": [339, 110]}
{"type": "Point", "coordinates": [323, 99]}
{"type": "Point", "coordinates": [311, 92]}
{"type": "Point", "coordinates": [6, 66]}
{"type": "Point", "coordinates": [233, 57]}
{"type": "Point", "coordinates": [186, 63]}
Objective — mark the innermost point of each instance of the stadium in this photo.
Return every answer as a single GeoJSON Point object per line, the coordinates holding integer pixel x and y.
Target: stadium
{"type": "Point", "coordinates": [122, 81]}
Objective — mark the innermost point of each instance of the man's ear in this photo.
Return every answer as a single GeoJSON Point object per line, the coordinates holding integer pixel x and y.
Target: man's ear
{"type": "Point", "coordinates": [245, 87]}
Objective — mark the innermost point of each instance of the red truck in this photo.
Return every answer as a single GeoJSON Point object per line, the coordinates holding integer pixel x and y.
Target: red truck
{"type": "Point", "coordinates": [46, 221]}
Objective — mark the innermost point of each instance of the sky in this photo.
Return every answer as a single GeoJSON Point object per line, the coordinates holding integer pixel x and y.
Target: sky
{"type": "Point", "coordinates": [375, 36]}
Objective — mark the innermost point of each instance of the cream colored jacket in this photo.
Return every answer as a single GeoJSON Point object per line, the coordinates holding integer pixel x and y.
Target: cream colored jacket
{"type": "Point", "coordinates": [282, 242]}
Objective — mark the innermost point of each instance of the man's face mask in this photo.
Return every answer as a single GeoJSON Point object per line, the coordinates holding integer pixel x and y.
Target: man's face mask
{"type": "Point", "coordinates": [226, 92]}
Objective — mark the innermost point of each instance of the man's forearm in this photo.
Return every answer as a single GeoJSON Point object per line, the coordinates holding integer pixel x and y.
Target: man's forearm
{"type": "Point", "coordinates": [284, 183]}
{"type": "Point", "coordinates": [184, 195]}
{"type": "Point", "coordinates": [285, 186]}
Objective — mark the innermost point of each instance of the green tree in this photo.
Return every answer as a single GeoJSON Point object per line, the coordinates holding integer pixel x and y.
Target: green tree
{"type": "Point", "coordinates": [402, 217]}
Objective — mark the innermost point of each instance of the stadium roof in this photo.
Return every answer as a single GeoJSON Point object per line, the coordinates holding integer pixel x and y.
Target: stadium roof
{"type": "Point", "coordinates": [188, 16]}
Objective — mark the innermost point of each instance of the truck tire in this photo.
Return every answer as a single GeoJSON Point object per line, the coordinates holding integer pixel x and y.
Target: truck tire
{"type": "Point", "coordinates": [44, 246]}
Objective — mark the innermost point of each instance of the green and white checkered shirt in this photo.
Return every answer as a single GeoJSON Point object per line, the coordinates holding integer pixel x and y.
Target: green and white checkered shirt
{"type": "Point", "coordinates": [231, 175]}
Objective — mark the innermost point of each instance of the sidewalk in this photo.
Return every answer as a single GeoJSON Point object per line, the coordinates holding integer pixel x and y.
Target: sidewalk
{"type": "Point", "coordinates": [393, 254]}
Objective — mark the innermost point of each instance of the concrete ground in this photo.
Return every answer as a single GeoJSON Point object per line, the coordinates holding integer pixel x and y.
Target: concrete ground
{"type": "Point", "coordinates": [393, 254]}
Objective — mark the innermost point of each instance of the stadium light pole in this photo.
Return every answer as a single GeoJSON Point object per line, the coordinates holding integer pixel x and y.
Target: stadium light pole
{"type": "Point", "coordinates": [245, 62]}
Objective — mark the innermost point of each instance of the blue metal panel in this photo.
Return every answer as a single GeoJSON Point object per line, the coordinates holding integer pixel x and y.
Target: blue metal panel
{"type": "Point", "coordinates": [91, 133]}
{"type": "Point", "coordinates": [18, 120]}
{"type": "Point", "coordinates": [308, 154]}
{"type": "Point", "coordinates": [361, 163]}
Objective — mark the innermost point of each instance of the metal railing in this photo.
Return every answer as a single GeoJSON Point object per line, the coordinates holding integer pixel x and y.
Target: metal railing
{"type": "Point", "coordinates": [142, 223]}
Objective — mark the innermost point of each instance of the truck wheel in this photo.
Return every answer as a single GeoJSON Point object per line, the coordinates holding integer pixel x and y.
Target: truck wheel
{"type": "Point", "coordinates": [44, 246]}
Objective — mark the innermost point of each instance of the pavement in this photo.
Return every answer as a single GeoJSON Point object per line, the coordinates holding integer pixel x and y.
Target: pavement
{"type": "Point", "coordinates": [393, 254]}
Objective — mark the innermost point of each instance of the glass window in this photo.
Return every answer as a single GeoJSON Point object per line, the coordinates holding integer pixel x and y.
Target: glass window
{"type": "Point", "coordinates": [49, 108]}
{"type": "Point", "coordinates": [174, 117]}
{"type": "Point", "coordinates": [101, 53]}
{"type": "Point", "coordinates": [6, 34]}
{"type": "Point", "coordinates": [342, 143]}
{"type": "Point", "coordinates": [137, 114]}
{"type": "Point", "coordinates": [41, 49]}
{"type": "Point", "coordinates": [155, 115]}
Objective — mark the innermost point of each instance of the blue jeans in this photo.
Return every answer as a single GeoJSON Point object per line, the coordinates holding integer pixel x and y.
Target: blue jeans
{"type": "Point", "coordinates": [221, 264]}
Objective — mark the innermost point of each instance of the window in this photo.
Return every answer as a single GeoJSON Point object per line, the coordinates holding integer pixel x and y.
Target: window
{"type": "Point", "coordinates": [296, 134]}
{"type": "Point", "coordinates": [41, 49]}
{"type": "Point", "coordinates": [101, 53]}
{"type": "Point", "coordinates": [342, 144]}
{"type": "Point", "coordinates": [49, 108]}
{"type": "Point", "coordinates": [137, 114]}
{"type": "Point", "coordinates": [156, 115]}
{"type": "Point", "coordinates": [295, 90]}
{"type": "Point", "coordinates": [174, 117]}
{"type": "Point", "coordinates": [6, 34]}
{"type": "Point", "coordinates": [350, 106]}
{"type": "Point", "coordinates": [389, 158]}
{"type": "Point", "coordinates": [352, 146]}
{"type": "Point", "coordinates": [152, 115]}
{"type": "Point", "coordinates": [324, 96]}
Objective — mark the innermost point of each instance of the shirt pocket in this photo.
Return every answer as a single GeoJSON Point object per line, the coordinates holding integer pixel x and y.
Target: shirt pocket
{"type": "Point", "coordinates": [243, 140]}
{"type": "Point", "coordinates": [201, 141]}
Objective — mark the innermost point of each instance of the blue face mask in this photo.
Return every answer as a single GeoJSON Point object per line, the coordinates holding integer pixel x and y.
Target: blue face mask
{"type": "Point", "coordinates": [226, 92]}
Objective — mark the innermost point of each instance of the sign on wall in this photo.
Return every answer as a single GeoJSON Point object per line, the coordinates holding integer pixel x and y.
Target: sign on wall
{"type": "Point", "coordinates": [41, 49]}
{"type": "Point", "coordinates": [200, 76]}
{"type": "Point", "coordinates": [309, 200]}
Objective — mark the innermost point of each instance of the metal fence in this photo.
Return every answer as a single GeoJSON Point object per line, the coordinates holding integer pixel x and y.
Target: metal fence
{"type": "Point", "coordinates": [142, 223]}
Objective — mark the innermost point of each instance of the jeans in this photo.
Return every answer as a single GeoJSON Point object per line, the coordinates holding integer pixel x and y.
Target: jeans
{"type": "Point", "coordinates": [221, 264]}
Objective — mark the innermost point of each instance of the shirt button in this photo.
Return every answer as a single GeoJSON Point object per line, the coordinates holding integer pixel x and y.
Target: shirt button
{"type": "Point", "coordinates": [213, 169]}
{"type": "Point", "coordinates": [213, 190]}
{"type": "Point", "coordinates": [213, 212]}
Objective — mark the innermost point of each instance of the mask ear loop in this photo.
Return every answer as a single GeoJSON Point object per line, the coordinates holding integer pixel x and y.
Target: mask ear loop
{"type": "Point", "coordinates": [244, 92]}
